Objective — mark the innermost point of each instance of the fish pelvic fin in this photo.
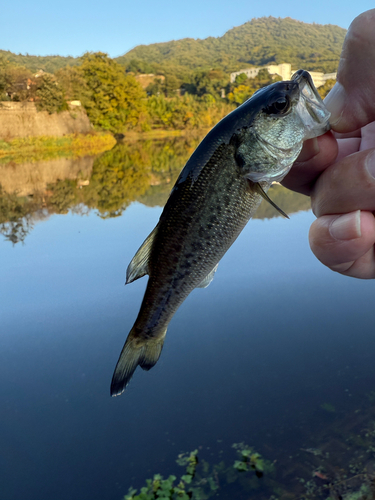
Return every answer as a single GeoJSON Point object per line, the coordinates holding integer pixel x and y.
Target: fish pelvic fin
{"type": "Point", "coordinates": [258, 188]}
{"type": "Point", "coordinates": [138, 266]}
{"type": "Point", "coordinates": [136, 352]}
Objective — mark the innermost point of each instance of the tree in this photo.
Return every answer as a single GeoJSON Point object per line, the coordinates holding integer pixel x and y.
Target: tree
{"type": "Point", "coordinates": [115, 100]}
{"type": "Point", "coordinates": [324, 89]}
{"type": "Point", "coordinates": [13, 81]}
{"type": "Point", "coordinates": [72, 80]}
{"type": "Point", "coordinates": [49, 95]}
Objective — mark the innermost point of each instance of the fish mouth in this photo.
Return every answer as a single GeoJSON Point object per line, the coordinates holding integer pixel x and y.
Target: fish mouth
{"type": "Point", "coordinates": [310, 107]}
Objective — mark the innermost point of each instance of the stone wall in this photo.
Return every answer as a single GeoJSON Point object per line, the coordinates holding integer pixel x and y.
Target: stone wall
{"type": "Point", "coordinates": [21, 119]}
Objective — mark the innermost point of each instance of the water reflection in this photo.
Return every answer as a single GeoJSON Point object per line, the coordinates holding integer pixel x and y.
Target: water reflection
{"type": "Point", "coordinates": [277, 353]}
{"type": "Point", "coordinates": [141, 171]}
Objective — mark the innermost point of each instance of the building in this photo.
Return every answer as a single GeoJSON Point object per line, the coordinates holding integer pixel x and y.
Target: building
{"type": "Point", "coordinates": [285, 71]}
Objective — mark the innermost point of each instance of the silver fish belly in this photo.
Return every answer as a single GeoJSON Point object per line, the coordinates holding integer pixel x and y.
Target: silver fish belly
{"type": "Point", "coordinates": [216, 194]}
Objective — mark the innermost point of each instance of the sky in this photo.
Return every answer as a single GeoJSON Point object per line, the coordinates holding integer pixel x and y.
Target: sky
{"type": "Point", "coordinates": [42, 27]}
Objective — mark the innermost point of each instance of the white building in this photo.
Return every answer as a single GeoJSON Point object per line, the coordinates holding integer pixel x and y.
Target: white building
{"type": "Point", "coordinates": [285, 71]}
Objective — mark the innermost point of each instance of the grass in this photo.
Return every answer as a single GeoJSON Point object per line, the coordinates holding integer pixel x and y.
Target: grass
{"type": "Point", "coordinates": [45, 148]}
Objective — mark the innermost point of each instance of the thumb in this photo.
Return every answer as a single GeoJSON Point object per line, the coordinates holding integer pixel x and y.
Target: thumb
{"type": "Point", "coordinates": [351, 101]}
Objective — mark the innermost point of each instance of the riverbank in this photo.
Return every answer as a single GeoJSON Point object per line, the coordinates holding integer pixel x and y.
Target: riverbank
{"type": "Point", "coordinates": [46, 148]}
{"type": "Point", "coordinates": [163, 134]}
{"type": "Point", "coordinates": [76, 145]}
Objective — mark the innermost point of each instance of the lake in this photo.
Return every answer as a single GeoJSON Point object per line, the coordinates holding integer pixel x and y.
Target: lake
{"type": "Point", "coordinates": [277, 353]}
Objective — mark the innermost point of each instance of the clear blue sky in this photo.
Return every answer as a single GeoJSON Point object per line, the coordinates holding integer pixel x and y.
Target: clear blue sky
{"type": "Point", "coordinates": [42, 27]}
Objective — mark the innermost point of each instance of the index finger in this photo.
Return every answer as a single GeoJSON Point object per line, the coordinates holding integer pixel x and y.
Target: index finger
{"type": "Point", "coordinates": [351, 100]}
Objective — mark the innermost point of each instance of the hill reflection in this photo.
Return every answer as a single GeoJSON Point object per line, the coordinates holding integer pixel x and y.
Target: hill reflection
{"type": "Point", "coordinates": [142, 171]}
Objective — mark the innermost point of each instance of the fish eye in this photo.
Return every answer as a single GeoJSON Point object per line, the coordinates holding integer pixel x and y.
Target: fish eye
{"type": "Point", "coordinates": [278, 107]}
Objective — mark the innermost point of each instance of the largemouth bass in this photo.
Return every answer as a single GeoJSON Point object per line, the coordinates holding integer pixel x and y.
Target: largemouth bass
{"type": "Point", "coordinates": [217, 192]}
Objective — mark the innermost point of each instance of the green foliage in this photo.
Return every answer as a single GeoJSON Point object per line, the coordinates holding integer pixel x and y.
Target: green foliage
{"type": "Point", "coordinates": [49, 95]}
{"type": "Point", "coordinates": [187, 112]}
{"type": "Point", "coordinates": [324, 89]}
{"type": "Point", "coordinates": [50, 64]}
{"type": "Point", "coordinates": [206, 82]}
{"type": "Point", "coordinates": [259, 42]}
{"type": "Point", "coordinates": [139, 66]}
{"type": "Point", "coordinates": [203, 482]}
{"type": "Point", "coordinates": [13, 81]}
{"type": "Point", "coordinates": [71, 79]}
{"type": "Point", "coordinates": [243, 87]}
{"type": "Point", "coordinates": [164, 489]}
{"type": "Point", "coordinates": [115, 100]}
{"type": "Point", "coordinates": [249, 460]}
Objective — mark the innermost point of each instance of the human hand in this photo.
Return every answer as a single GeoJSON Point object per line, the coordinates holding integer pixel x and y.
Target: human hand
{"type": "Point", "coordinates": [338, 169]}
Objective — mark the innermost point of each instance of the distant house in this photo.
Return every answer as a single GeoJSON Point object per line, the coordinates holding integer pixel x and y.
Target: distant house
{"type": "Point", "coordinates": [285, 71]}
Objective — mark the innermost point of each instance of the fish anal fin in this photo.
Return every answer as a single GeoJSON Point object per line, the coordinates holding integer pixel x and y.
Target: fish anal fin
{"type": "Point", "coordinates": [138, 266]}
{"type": "Point", "coordinates": [207, 280]}
{"type": "Point", "coordinates": [258, 188]}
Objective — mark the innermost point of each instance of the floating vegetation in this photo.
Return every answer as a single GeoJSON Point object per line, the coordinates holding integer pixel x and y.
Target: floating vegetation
{"type": "Point", "coordinates": [203, 481]}
{"type": "Point", "coordinates": [339, 465]}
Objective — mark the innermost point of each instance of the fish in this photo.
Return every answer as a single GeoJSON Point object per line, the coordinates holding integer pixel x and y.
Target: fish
{"type": "Point", "coordinates": [215, 195]}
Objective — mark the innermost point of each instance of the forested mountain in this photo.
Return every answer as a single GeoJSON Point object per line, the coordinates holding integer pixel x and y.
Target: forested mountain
{"type": "Point", "coordinates": [267, 40]}
{"type": "Point", "coordinates": [50, 64]}
{"type": "Point", "coordinates": [191, 88]}
{"type": "Point", "coordinates": [263, 41]}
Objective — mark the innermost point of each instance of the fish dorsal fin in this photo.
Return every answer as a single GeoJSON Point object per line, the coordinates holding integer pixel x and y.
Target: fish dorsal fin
{"type": "Point", "coordinates": [258, 188]}
{"type": "Point", "coordinates": [138, 266]}
{"type": "Point", "coordinates": [207, 280]}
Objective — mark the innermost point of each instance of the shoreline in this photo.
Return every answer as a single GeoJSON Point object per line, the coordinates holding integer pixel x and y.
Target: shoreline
{"type": "Point", "coordinates": [44, 148]}
{"type": "Point", "coordinates": [77, 145]}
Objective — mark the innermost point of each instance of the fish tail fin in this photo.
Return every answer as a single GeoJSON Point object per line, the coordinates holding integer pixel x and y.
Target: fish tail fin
{"type": "Point", "coordinates": [144, 353]}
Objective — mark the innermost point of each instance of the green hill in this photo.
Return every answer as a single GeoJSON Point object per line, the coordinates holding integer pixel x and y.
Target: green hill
{"type": "Point", "coordinates": [50, 64]}
{"type": "Point", "coordinates": [267, 40]}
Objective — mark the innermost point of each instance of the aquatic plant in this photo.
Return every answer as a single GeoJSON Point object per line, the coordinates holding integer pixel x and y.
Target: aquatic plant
{"type": "Point", "coordinates": [203, 482]}
{"type": "Point", "coordinates": [163, 489]}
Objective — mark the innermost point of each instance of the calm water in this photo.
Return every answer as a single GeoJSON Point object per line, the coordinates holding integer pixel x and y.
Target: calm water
{"type": "Point", "coordinates": [251, 359]}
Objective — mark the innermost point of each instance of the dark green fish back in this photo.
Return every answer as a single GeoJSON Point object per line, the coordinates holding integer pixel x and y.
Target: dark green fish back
{"type": "Point", "coordinates": [199, 223]}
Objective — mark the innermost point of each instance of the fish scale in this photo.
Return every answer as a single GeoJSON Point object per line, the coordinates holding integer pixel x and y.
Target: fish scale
{"type": "Point", "coordinates": [216, 194]}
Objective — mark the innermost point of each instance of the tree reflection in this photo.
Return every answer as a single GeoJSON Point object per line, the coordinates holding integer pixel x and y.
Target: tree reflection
{"type": "Point", "coordinates": [129, 172]}
{"type": "Point", "coordinates": [141, 171]}
{"type": "Point", "coordinates": [15, 219]}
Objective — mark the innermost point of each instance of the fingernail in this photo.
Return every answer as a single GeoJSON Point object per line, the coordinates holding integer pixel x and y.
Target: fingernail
{"type": "Point", "coordinates": [370, 164]}
{"type": "Point", "coordinates": [346, 227]}
{"type": "Point", "coordinates": [335, 102]}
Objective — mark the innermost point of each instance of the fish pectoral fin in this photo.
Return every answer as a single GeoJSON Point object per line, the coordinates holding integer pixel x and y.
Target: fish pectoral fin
{"type": "Point", "coordinates": [138, 266]}
{"type": "Point", "coordinates": [258, 188]}
{"type": "Point", "coordinates": [207, 280]}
